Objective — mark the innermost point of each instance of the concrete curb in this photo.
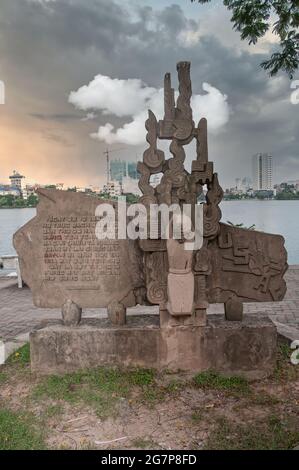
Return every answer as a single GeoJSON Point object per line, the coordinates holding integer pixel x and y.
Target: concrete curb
{"type": "Point", "coordinates": [289, 333]}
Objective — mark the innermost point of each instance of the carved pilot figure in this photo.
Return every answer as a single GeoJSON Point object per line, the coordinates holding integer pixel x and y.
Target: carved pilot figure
{"type": "Point", "coordinates": [180, 279]}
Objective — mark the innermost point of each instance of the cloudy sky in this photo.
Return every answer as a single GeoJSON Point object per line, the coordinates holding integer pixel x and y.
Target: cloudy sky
{"type": "Point", "coordinates": [80, 74]}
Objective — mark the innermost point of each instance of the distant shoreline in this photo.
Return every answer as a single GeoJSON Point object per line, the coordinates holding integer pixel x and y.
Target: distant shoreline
{"type": "Point", "coordinates": [257, 199]}
{"type": "Point", "coordinates": [25, 207]}
{"type": "Point", "coordinates": [223, 200]}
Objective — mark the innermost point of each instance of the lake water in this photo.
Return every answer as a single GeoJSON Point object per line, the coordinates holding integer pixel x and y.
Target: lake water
{"type": "Point", "coordinates": [10, 221]}
{"type": "Point", "coordinates": [269, 216]}
{"type": "Point", "coordinates": [280, 217]}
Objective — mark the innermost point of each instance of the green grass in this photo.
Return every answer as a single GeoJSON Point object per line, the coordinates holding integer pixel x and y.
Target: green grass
{"type": "Point", "coordinates": [21, 356]}
{"type": "Point", "coordinates": [142, 443]}
{"type": "Point", "coordinates": [196, 416]}
{"type": "Point", "coordinates": [285, 371]}
{"type": "Point", "coordinates": [263, 399]}
{"type": "Point", "coordinates": [156, 392]}
{"type": "Point", "coordinates": [212, 380]}
{"type": "Point", "coordinates": [3, 377]}
{"type": "Point", "coordinates": [151, 395]}
{"type": "Point", "coordinates": [284, 351]}
{"type": "Point", "coordinates": [53, 410]}
{"type": "Point", "coordinates": [272, 433]}
{"type": "Point", "coordinates": [174, 386]}
{"type": "Point", "coordinates": [100, 388]}
{"type": "Point", "coordinates": [141, 376]}
{"type": "Point", "coordinates": [19, 431]}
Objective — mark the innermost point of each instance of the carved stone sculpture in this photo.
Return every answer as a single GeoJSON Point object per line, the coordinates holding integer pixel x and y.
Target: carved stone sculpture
{"type": "Point", "coordinates": [67, 266]}
{"type": "Point", "coordinates": [234, 265]}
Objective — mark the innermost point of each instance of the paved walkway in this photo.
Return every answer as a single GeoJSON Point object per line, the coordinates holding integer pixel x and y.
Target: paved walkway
{"type": "Point", "coordinates": [19, 316]}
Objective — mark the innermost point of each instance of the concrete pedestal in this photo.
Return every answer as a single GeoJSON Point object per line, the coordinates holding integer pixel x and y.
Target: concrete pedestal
{"type": "Point", "coordinates": [246, 348]}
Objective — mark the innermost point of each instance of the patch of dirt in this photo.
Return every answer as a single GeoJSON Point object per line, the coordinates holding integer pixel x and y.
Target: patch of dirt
{"type": "Point", "coordinates": [181, 419]}
{"type": "Point", "coordinates": [181, 422]}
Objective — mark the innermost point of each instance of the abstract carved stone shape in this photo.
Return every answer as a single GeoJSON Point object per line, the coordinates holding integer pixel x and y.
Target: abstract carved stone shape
{"type": "Point", "coordinates": [234, 265]}
{"type": "Point", "coordinates": [71, 313]}
{"type": "Point", "coordinates": [116, 313]}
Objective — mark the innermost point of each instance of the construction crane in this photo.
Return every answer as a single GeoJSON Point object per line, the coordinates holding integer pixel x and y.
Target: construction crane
{"type": "Point", "coordinates": [107, 154]}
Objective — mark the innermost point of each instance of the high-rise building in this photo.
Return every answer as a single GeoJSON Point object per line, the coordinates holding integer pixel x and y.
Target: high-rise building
{"type": "Point", "coordinates": [132, 170]}
{"type": "Point", "coordinates": [243, 184]}
{"type": "Point", "coordinates": [120, 169]}
{"type": "Point", "coordinates": [238, 184]}
{"type": "Point", "coordinates": [262, 171]}
{"type": "Point", "coordinates": [246, 183]}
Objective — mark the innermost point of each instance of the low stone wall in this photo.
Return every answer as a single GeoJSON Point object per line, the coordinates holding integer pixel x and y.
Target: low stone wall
{"type": "Point", "coordinates": [245, 348]}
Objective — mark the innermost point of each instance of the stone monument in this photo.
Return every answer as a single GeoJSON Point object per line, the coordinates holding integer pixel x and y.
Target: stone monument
{"type": "Point", "coordinates": [63, 261]}
{"type": "Point", "coordinates": [66, 265]}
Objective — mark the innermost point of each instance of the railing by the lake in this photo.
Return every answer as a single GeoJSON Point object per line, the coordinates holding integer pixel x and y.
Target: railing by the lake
{"type": "Point", "coordinates": [11, 264]}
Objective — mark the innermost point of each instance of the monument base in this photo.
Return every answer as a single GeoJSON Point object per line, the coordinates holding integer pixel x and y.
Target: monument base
{"type": "Point", "coordinates": [246, 348]}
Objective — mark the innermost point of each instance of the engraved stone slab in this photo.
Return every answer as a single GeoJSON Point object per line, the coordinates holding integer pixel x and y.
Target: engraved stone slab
{"type": "Point", "coordinates": [61, 258]}
{"type": "Point", "coordinates": [248, 265]}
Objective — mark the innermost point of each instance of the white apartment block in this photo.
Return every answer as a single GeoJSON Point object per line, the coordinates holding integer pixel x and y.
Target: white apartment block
{"type": "Point", "coordinates": [262, 172]}
{"type": "Point", "coordinates": [113, 188]}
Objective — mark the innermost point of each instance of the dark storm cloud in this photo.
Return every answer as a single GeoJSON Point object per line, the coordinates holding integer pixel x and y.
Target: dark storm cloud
{"type": "Point", "coordinates": [71, 24]}
{"type": "Point", "coordinates": [47, 50]}
{"type": "Point", "coordinates": [55, 117]}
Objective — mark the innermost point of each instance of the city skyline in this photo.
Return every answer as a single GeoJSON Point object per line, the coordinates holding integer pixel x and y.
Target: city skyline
{"type": "Point", "coordinates": [101, 178]}
{"type": "Point", "coordinates": [50, 124]}
{"type": "Point", "coordinates": [130, 165]}
{"type": "Point", "coordinates": [241, 183]}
